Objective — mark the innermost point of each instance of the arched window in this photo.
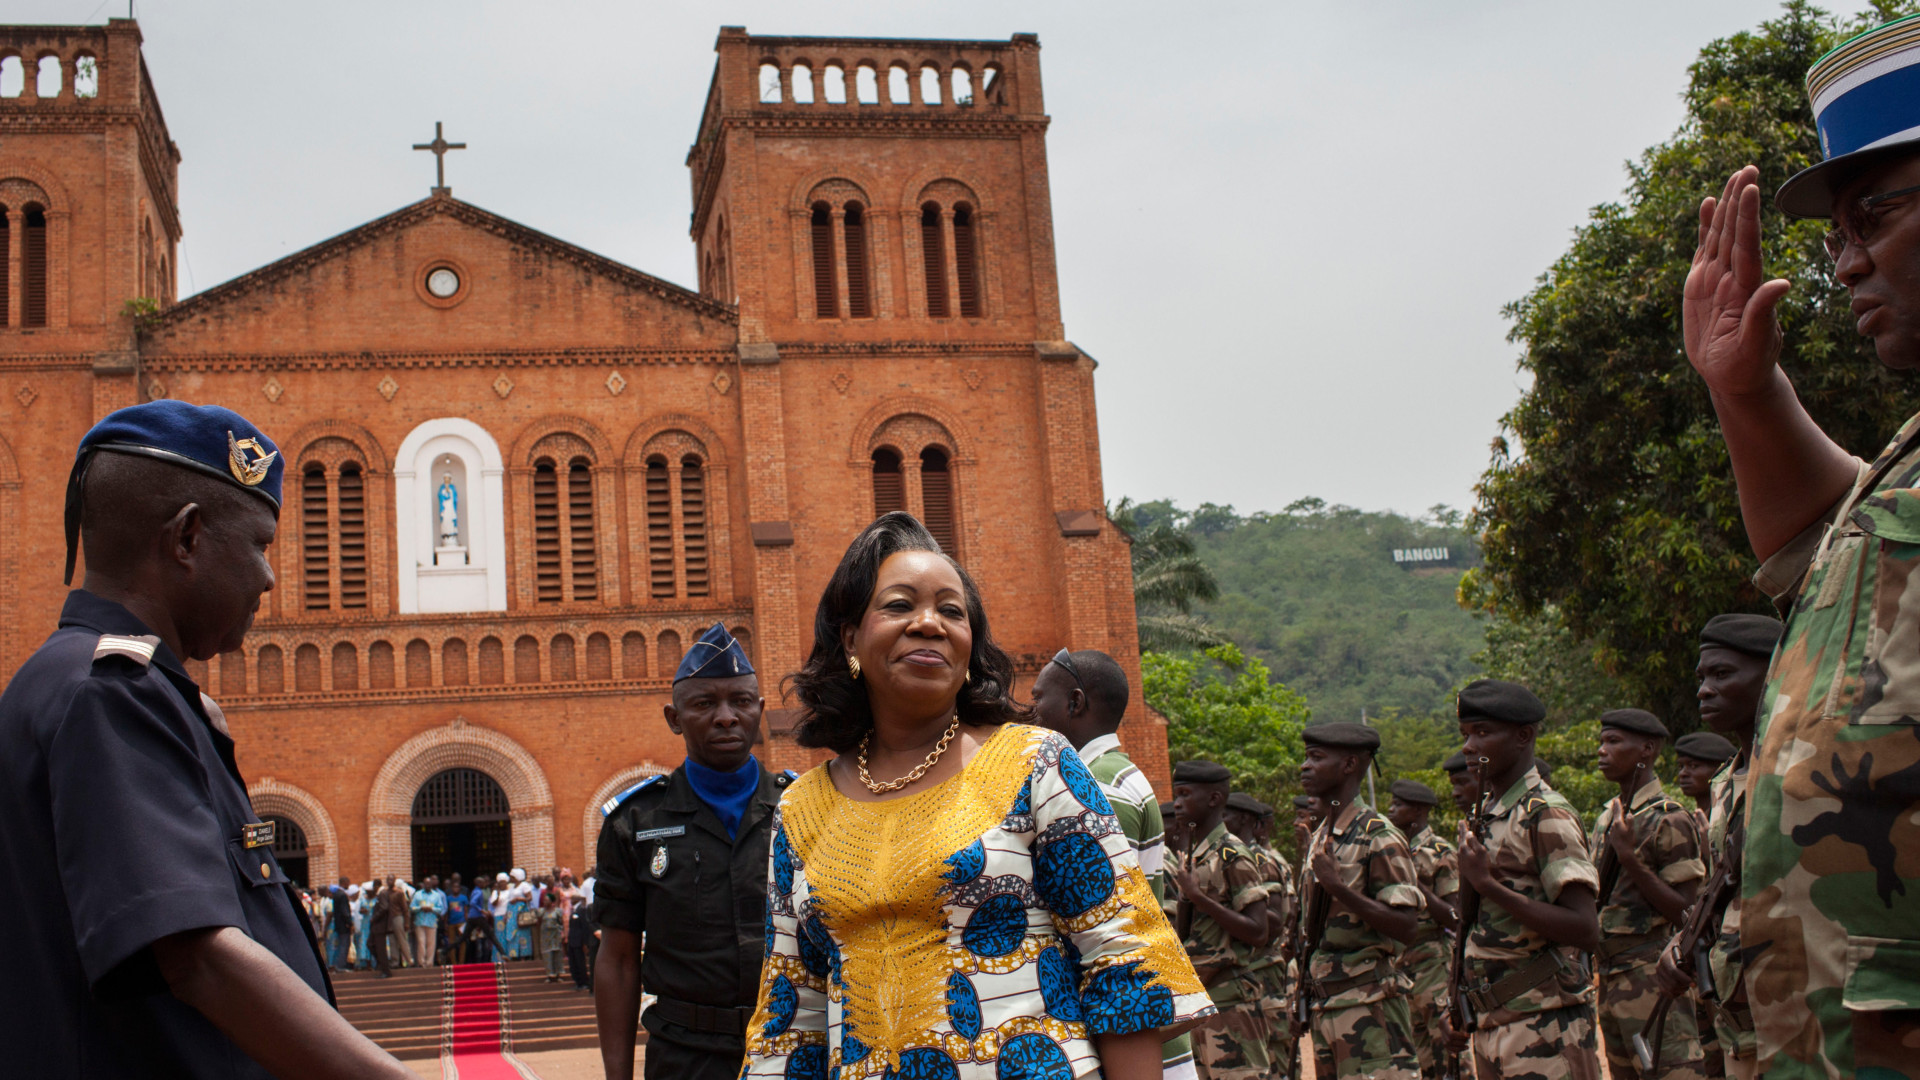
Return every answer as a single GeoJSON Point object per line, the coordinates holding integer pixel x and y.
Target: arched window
{"type": "Point", "coordinates": [659, 529]}
{"type": "Point", "coordinates": [936, 498]}
{"type": "Point", "coordinates": [316, 578]}
{"type": "Point", "coordinates": [802, 78]}
{"type": "Point", "coordinates": [493, 661]}
{"type": "Point", "coordinates": [86, 76]}
{"type": "Point", "coordinates": [33, 267]}
{"type": "Point", "coordinates": [836, 88]}
{"type": "Point", "coordinates": [633, 655]}
{"type": "Point", "coordinates": [346, 667]}
{"type": "Point", "coordinates": [933, 254]}
{"type": "Point", "coordinates": [866, 83]}
{"type": "Point", "coordinates": [526, 659]}
{"type": "Point", "coordinates": [380, 666]}
{"type": "Point", "coordinates": [859, 289]}
{"type": "Point", "coordinates": [546, 533]}
{"type": "Point", "coordinates": [599, 658]}
{"type": "Point", "coordinates": [897, 81]}
{"type": "Point", "coordinates": [6, 264]}
{"type": "Point", "coordinates": [962, 86]}
{"type": "Point", "coordinates": [769, 83]}
{"type": "Point", "coordinates": [560, 666]}
{"type": "Point", "coordinates": [13, 76]}
{"type": "Point", "coordinates": [966, 263]}
{"type": "Point", "coordinates": [668, 645]}
{"type": "Point", "coordinates": [353, 537]}
{"type": "Point", "coordinates": [272, 677]}
{"type": "Point", "coordinates": [453, 663]}
{"type": "Point", "coordinates": [48, 83]}
{"type": "Point", "coordinates": [290, 848]}
{"type": "Point", "coordinates": [929, 85]}
{"type": "Point", "coordinates": [693, 523]}
{"type": "Point", "coordinates": [333, 537]}
{"type": "Point", "coordinates": [826, 304]}
{"type": "Point", "coordinates": [586, 565]}
{"type": "Point", "coordinates": [419, 664]}
{"type": "Point", "coordinates": [565, 557]}
{"type": "Point", "coordinates": [889, 487]}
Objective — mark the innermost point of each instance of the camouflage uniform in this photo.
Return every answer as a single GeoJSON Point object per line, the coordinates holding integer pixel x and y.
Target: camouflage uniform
{"type": "Point", "coordinates": [1232, 1044]}
{"type": "Point", "coordinates": [1361, 1025]}
{"type": "Point", "coordinates": [1271, 970]}
{"type": "Point", "coordinates": [1633, 932]}
{"type": "Point", "coordinates": [1732, 1017]}
{"type": "Point", "coordinates": [1426, 961]}
{"type": "Point", "coordinates": [1540, 1030]}
{"type": "Point", "coordinates": [1829, 924]}
{"type": "Point", "coordinates": [1712, 1061]}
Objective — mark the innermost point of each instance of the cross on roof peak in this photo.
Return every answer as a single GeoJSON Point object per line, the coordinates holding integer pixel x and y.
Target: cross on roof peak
{"type": "Point", "coordinates": [440, 146]}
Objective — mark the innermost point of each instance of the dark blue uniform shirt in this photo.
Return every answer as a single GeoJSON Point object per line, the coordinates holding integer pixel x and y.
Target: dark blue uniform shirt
{"type": "Point", "coordinates": [121, 815]}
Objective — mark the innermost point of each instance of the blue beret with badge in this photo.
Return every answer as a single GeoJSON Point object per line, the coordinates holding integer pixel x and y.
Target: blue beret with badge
{"type": "Point", "coordinates": [1866, 105]}
{"type": "Point", "coordinates": [715, 655]}
{"type": "Point", "coordinates": [205, 438]}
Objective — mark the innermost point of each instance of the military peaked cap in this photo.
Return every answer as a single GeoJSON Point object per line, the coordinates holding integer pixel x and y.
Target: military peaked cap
{"type": "Point", "coordinates": [1504, 702]}
{"type": "Point", "coordinates": [715, 655]}
{"type": "Point", "coordinates": [1705, 746]}
{"type": "Point", "coordinates": [1247, 804]}
{"type": "Point", "coordinates": [1456, 763]}
{"type": "Point", "coordinates": [1638, 721]}
{"type": "Point", "coordinates": [1200, 772]}
{"type": "Point", "coordinates": [1415, 792]}
{"type": "Point", "coordinates": [1342, 735]}
{"type": "Point", "coordinates": [208, 439]}
{"type": "Point", "coordinates": [1755, 635]}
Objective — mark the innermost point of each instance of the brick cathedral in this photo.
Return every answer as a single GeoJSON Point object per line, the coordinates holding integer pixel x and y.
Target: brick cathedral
{"type": "Point", "coordinates": [521, 476]}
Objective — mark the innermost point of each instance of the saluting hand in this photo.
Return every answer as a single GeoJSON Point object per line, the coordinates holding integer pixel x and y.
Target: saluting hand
{"type": "Point", "coordinates": [1732, 335]}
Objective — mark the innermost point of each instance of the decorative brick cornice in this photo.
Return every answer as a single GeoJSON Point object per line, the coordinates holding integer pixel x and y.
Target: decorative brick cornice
{"type": "Point", "coordinates": [402, 360]}
{"type": "Point", "coordinates": [905, 348]}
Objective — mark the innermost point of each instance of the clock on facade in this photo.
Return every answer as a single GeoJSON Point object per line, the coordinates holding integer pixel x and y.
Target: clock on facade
{"type": "Point", "coordinates": [443, 282]}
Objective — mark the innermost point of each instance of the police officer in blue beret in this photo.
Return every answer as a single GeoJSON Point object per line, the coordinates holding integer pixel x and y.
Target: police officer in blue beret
{"type": "Point", "coordinates": [681, 896]}
{"type": "Point", "coordinates": [152, 932]}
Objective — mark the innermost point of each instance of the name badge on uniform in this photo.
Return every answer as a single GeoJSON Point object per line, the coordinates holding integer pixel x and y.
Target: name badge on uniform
{"type": "Point", "coordinates": [659, 864]}
{"type": "Point", "coordinates": [645, 835]}
{"type": "Point", "coordinates": [257, 834]}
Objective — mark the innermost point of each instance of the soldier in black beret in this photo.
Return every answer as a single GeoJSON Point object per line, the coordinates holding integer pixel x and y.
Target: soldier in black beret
{"type": "Point", "coordinates": [1436, 862]}
{"type": "Point", "coordinates": [1363, 909]}
{"type": "Point", "coordinates": [1531, 1004]}
{"type": "Point", "coordinates": [153, 933]}
{"type": "Point", "coordinates": [1252, 821]}
{"type": "Point", "coordinates": [1651, 867]}
{"type": "Point", "coordinates": [1698, 755]}
{"type": "Point", "coordinates": [1466, 785]}
{"type": "Point", "coordinates": [1222, 919]}
{"type": "Point", "coordinates": [1735, 651]}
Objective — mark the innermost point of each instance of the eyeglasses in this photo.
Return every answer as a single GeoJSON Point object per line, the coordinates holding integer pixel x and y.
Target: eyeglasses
{"type": "Point", "coordinates": [1856, 223]}
{"type": "Point", "coordinates": [1065, 660]}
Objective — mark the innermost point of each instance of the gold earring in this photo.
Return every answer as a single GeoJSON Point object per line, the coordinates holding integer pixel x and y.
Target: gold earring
{"type": "Point", "coordinates": [969, 677]}
{"type": "Point", "coordinates": [853, 665]}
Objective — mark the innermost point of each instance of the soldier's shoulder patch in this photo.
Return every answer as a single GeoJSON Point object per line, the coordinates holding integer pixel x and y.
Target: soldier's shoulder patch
{"type": "Point", "coordinates": [138, 649]}
{"type": "Point", "coordinates": [607, 808]}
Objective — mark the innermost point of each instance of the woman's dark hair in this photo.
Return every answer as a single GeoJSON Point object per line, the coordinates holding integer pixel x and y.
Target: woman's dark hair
{"type": "Point", "coordinates": [836, 714]}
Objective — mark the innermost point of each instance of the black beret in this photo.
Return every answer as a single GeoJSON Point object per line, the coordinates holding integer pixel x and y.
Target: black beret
{"type": "Point", "coordinates": [1200, 772]}
{"type": "Point", "coordinates": [1456, 763]}
{"type": "Point", "coordinates": [1166, 810]}
{"type": "Point", "coordinates": [1505, 702]}
{"type": "Point", "coordinates": [1415, 792]}
{"type": "Point", "coordinates": [1342, 735]}
{"type": "Point", "coordinates": [1755, 635]}
{"type": "Point", "coordinates": [1246, 803]}
{"type": "Point", "coordinates": [1638, 721]}
{"type": "Point", "coordinates": [1303, 802]}
{"type": "Point", "coordinates": [1705, 746]}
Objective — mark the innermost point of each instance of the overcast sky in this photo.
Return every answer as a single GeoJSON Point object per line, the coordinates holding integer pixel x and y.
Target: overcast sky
{"type": "Point", "coordinates": [1285, 229]}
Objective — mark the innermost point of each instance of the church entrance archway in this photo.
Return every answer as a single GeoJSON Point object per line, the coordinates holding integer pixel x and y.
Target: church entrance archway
{"type": "Point", "coordinates": [458, 745]}
{"type": "Point", "coordinates": [461, 824]}
{"type": "Point", "coordinates": [290, 849]}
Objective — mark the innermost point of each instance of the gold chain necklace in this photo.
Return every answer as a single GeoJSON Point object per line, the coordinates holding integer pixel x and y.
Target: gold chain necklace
{"type": "Point", "coordinates": [919, 770]}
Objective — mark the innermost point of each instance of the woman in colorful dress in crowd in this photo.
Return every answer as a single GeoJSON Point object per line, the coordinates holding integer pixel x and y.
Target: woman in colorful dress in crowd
{"type": "Point", "coordinates": [518, 938]}
{"type": "Point", "coordinates": [497, 900]}
{"type": "Point", "coordinates": [951, 897]}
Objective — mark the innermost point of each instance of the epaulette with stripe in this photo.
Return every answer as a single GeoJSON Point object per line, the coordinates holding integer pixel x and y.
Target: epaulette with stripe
{"type": "Point", "coordinates": [607, 808]}
{"type": "Point", "coordinates": [137, 649]}
{"type": "Point", "coordinates": [785, 777]}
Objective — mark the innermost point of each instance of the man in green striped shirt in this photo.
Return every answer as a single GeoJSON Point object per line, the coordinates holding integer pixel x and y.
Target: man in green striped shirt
{"type": "Point", "coordinates": [1083, 696]}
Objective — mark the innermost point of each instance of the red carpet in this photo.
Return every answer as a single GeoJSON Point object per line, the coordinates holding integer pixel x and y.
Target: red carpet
{"type": "Point", "coordinates": [472, 1018]}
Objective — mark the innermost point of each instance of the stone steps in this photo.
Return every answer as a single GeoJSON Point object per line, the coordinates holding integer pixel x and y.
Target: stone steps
{"type": "Point", "coordinates": [403, 1014]}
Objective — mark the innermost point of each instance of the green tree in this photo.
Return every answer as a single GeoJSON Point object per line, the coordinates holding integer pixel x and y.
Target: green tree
{"type": "Point", "coordinates": [1610, 499]}
{"type": "Point", "coordinates": [1169, 577]}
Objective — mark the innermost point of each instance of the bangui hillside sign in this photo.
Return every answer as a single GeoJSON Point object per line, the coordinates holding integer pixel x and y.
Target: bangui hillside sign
{"type": "Point", "coordinates": [1427, 556]}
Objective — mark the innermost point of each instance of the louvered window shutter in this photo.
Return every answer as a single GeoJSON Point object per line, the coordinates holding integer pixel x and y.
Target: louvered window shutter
{"type": "Point", "coordinates": [859, 290]}
{"type": "Point", "coordinates": [693, 523]}
{"type": "Point", "coordinates": [580, 538]}
{"type": "Point", "coordinates": [936, 498]}
{"type": "Point", "coordinates": [314, 541]}
{"type": "Point", "coordinates": [889, 484]}
{"type": "Point", "coordinates": [933, 254]}
{"type": "Point", "coordinates": [824, 304]}
{"type": "Point", "coordinates": [659, 529]}
{"type": "Point", "coordinates": [33, 267]}
{"type": "Point", "coordinates": [353, 537]}
{"type": "Point", "coordinates": [6, 264]}
{"type": "Point", "coordinates": [546, 533]}
{"type": "Point", "coordinates": [965, 256]}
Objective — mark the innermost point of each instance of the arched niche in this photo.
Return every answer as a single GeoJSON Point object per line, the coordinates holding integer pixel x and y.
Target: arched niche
{"type": "Point", "coordinates": [457, 745]}
{"type": "Point", "coordinates": [464, 569]}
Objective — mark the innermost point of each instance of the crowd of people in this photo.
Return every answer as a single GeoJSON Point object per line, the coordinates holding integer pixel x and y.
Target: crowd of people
{"type": "Point", "coordinates": [381, 925]}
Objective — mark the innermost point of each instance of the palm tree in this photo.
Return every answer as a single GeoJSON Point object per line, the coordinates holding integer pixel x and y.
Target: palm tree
{"type": "Point", "coordinates": [1168, 578]}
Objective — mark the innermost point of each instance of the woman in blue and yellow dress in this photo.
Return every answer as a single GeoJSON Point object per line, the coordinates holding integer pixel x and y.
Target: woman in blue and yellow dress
{"type": "Point", "coordinates": [975, 914]}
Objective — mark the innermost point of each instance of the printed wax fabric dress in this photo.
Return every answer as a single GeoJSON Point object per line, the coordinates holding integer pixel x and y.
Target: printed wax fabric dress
{"type": "Point", "coordinates": [983, 929]}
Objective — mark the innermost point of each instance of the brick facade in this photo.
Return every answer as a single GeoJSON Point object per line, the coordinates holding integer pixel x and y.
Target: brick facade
{"type": "Point", "coordinates": [663, 458]}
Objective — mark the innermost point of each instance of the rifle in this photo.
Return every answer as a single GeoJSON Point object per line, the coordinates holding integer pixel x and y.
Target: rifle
{"type": "Point", "coordinates": [1293, 950]}
{"type": "Point", "coordinates": [1316, 925]}
{"type": "Point", "coordinates": [1609, 859]}
{"type": "Point", "coordinates": [1691, 947]}
{"type": "Point", "coordinates": [1461, 1010]}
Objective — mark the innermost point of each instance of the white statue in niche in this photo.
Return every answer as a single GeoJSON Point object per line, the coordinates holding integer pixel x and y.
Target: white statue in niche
{"type": "Point", "coordinates": [449, 502]}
